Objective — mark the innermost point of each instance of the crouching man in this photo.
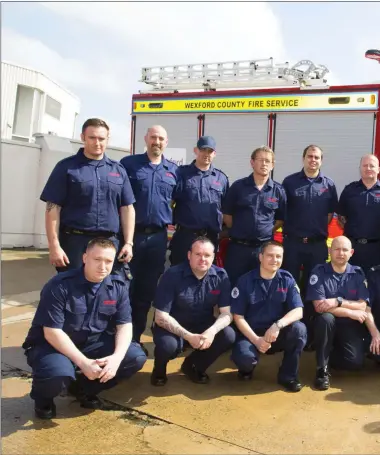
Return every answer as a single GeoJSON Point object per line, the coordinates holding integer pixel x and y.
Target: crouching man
{"type": "Point", "coordinates": [82, 332]}
{"type": "Point", "coordinates": [345, 330]}
{"type": "Point", "coordinates": [185, 301]}
{"type": "Point", "coordinates": [267, 309]}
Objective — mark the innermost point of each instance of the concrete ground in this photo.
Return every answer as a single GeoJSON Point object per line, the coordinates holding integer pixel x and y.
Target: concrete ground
{"type": "Point", "coordinates": [225, 416]}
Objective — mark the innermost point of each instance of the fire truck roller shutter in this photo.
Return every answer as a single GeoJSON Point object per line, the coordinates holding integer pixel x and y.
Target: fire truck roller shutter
{"type": "Point", "coordinates": [182, 131]}
{"type": "Point", "coordinates": [343, 136]}
{"type": "Point", "coordinates": [236, 135]}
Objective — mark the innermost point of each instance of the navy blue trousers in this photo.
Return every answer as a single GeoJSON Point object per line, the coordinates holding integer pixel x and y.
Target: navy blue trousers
{"type": "Point", "coordinates": [168, 346]}
{"type": "Point", "coordinates": [240, 259]}
{"type": "Point", "coordinates": [53, 371]}
{"type": "Point", "coordinates": [291, 340]}
{"type": "Point", "coordinates": [341, 343]}
{"type": "Point", "coordinates": [74, 245]}
{"type": "Point", "coordinates": [147, 265]}
{"type": "Point", "coordinates": [181, 242]}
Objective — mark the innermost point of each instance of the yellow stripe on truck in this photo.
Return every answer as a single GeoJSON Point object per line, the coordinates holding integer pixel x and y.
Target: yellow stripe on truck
{"type": "Point", "coordinates": [273, 103]}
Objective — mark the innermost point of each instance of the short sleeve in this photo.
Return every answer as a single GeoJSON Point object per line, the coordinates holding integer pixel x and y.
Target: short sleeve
{"type": "Point", "coordinates": [362, 287]}
{"type": "Point", "coordinates": [165, 292]}
{"type": "Point", "coordinates": [293, 297]}
{"type": "Point", "coordinates": [281, 211]}
{"type": "Point", "coordinates": [123, 313]}
{"type": "Point", "coordinates": [55, 189]}
{"type": "Point", "coordinates": [225, 292]}
{"type": "Point", "coordinates": [342, 206]}
{"type": "Point", "coordinates": [127, 196]}
{"type": "Point", "coordinates": [333, 207]}
{"type": "Point", "coordinates": [315, 287]}
{"type": "Point", "coordinates": [239, 299]}
{"type": "Point", "coordinates": [51, 308]}
{"type": "Point", "coordinates": [229, 201]}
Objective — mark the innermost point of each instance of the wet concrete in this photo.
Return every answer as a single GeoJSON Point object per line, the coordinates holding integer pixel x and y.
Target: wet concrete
{"type": "Point", "coordinates": [225, 416]}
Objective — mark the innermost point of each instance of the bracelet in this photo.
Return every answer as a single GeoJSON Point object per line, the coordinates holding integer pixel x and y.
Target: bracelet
{"type": "Point", "coordinates": [129, 243]}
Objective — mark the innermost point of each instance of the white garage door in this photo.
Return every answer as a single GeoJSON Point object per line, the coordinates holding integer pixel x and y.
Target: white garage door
{"type": "Point", "coordinates": [236, 135]}
{"type": "Point", "coordinates": [343, 136]}
{"type": "Point", "coordinates": [182, 131]}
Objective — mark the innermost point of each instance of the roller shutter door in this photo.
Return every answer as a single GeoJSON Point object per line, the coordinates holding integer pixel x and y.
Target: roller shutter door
{"type": "Point", "coordinates": [236, 135]}
{"type": "Point", "coordinates": [343, 136]}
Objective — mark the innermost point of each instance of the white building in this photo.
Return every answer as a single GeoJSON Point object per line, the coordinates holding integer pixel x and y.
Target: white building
{"type": "Point", "coordinates": [33, 103]}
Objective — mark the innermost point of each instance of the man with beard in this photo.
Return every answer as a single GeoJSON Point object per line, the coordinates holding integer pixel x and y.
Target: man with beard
{"type": "Point", "coordinates": [153, 179]}
{"type": "Point", "coordinates": [198, 196]}
{"type": "Point", "coordinates": [344, 328]}
{"type": "Point", "coordinates": [359, 213]}
{"type": "Point", "coordinates": [254, 209]}
{"type": "Point", "coordinates": [186, 299]}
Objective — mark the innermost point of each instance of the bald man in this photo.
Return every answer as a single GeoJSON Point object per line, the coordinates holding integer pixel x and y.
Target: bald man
{"type": "Point", "coordinates": [153, 179]}
{"type": "Point", "coordinates": [345, 330]}
{"type": "Point", "coordinates": [359, 214]}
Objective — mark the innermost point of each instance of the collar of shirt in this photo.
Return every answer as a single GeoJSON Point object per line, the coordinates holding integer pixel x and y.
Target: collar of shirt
{"type": "Point", "coordinates": [188, 272]}
{"type": "Point", "coordinates": [318, 178]}
{"type": "Point", "coordinates": [165, 163]}
{"type": "Point", "coordinates": [328, 269]}
{"type": "Point", "coordinates": [251, 182]}
{"type": "Point", "coordinates": [83, 159]}
{"type": "Point", "coordinates": [196, 170]}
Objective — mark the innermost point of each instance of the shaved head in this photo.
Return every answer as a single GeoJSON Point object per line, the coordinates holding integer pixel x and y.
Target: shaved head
{"type": "Point", "coordinates": [341, 240]}
{"type": "Point", "coordinates": [156, 140]}
{"type": "Point", "coordinates": [340, 252]}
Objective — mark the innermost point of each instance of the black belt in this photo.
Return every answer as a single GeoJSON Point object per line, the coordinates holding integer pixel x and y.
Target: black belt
{"type": "Point", "coordinates": [364, 241]}
{"type": "Point", "coordinates": [66, 230]}
{"type": "Point", "coordinates": [315, 239]}
{"type": "Point", "coordinates": [252, 243]}
{"type": "Point", "coordinates": [198, 232]}
{"type": "Point", "coordinates": [149, 229]}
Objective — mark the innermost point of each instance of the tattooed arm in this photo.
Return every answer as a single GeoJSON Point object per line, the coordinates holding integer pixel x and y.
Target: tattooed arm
{"type": "Point", "coordinates": [57, 256]}
{"type": "Point", "coordinates": [168, 323]}
{"type": "Point", "coordinates": [222, 321]}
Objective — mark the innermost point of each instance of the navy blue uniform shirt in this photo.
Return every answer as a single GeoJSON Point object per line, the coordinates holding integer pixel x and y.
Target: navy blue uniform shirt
{"type": "Point", "coordinates": [90, 192]}
{"type": "Point", "coordinates": [361, 207]}
{"type": "Point", "coordinates": [189, 300]}
{"type": "Point", "coordinates": [153, 186]}
{"type": "Point", "coordinates": [199, 196]}
{"type": "Point", "coordinates": [263, 302]}
{"type": "Point", "coordinates": [308, 204]}
{"type": "Point", "coordinates": [374, 292]}
{"type": "Point", "coordinates": [71, 303]}
{"type": "Point", "coordinates": [325, 283]}
{"type": "Point", "coordinates": [253, 211]}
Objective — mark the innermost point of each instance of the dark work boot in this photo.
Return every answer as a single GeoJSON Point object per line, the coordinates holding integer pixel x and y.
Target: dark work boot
{"type": "Point", "coordinates": [45, 411]}
{"type": "Point", "coordinates": [322, 379]}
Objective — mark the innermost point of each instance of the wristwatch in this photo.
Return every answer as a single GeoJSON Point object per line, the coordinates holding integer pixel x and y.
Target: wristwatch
{"type": "Point", "coordinates": [279, 324]}
{"type": "Point", "coordinates": [340, 301]}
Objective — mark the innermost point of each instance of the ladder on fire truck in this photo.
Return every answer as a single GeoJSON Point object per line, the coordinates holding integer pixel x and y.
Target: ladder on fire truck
{"type": "Point", "coordinates": [241, 74]}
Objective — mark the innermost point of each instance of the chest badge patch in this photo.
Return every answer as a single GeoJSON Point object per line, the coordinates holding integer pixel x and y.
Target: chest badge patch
{"type": "Point", "coordinates": [313, 279]}
{"type": "Point", "coordinates": [235, 293]}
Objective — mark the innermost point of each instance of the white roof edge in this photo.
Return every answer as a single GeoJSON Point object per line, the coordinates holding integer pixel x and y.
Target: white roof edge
{"type": "Point", "coordinates": [42, 74]}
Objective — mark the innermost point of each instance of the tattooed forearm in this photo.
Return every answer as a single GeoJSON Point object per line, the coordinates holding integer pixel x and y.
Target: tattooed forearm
{"type": "Point", "coordinates": [168, 323]}
{"type": "Point", "coordinates": [50, 206]}
{"type": "Point", "coordinates": [224, 319]}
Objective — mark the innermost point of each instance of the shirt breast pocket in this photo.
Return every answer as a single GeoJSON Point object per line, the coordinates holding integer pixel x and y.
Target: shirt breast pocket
{"type": "Point", "coordinates": [105, 315]}
{"type": "Point", "coordinates": [271, 204]}
{"type": "Point", "coordinates": [215, 193]}
{"type": "Point", "coordinates": [139, 182]}
{"type": "Point", "coordinates": [165, 187]}
{"type": "Point", "coordinates": [192, 190]}
{"type": "Point", "coordinates": [74, 315]}
{"type": "Point", "coordinates": [81, 182]}
{"type": "Point", "coordinates": [375, 198]}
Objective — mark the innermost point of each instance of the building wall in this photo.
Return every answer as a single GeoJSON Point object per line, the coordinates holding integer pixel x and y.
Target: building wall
{"type": "Point", "coordinates": [12, 76]}
{"type": "Point", "coordinates": [24, 171]}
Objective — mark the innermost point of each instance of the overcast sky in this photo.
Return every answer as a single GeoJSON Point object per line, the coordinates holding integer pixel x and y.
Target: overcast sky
{"type": "Point", "coordinates": [97, 50]}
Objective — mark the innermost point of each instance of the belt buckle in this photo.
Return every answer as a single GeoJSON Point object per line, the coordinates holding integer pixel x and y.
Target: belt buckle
{"type": "Point", "coordinates": [305, 240]}
{"type": "Point", "coordinates": [362, 241]}
{"type": "Point", "coordinates": [75, 231]}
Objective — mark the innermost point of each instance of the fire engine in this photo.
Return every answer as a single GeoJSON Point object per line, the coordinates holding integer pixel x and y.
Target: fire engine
{"type": "Point", "coordinates": [246, 104]}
